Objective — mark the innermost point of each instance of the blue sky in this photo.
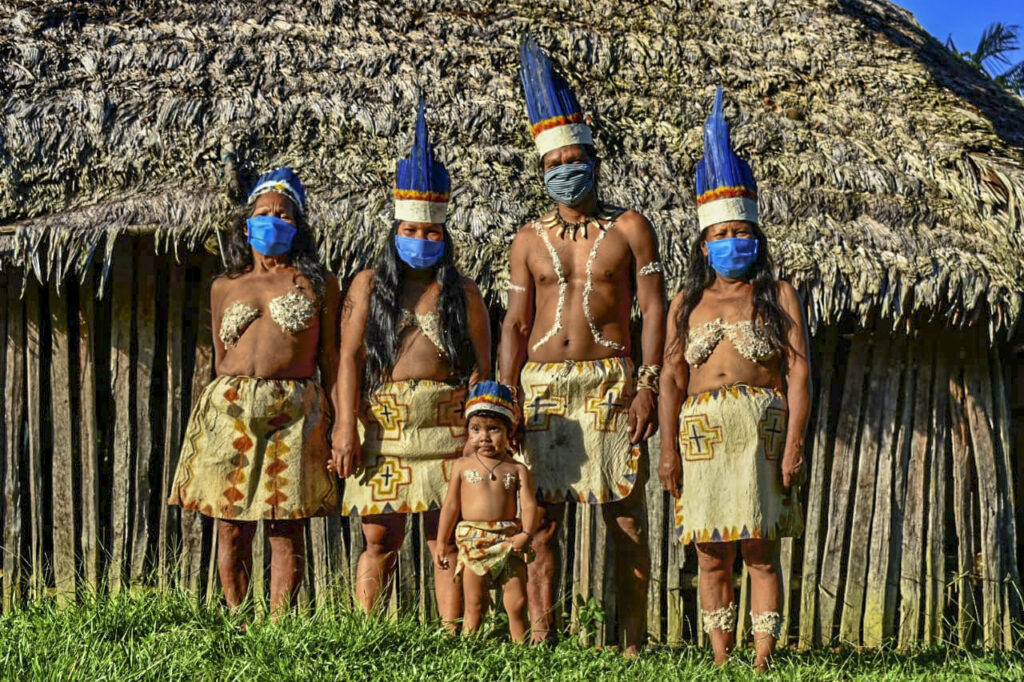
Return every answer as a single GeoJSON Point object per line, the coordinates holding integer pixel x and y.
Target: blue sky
{"type": "Point", "coordinates": [966, 19]}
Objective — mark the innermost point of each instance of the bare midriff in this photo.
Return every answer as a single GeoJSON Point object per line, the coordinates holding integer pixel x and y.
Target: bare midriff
{"type": "Point", "coordinates": [726, 367]}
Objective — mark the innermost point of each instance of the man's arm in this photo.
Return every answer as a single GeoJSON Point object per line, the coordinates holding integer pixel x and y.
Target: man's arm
{"type": "Point", "coordinates": [675, 377]}
{"type": "Point", "coordinates": [518, 322]}
{"type": "Point", "coordinates": [798, 384]}
{"type": "Point", "coordinates": [650, 296]}
{"type": "Point", "coordinates": [327, 357]}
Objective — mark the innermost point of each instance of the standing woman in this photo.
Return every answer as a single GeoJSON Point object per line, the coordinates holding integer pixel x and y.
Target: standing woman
{"type": "Point", "coordinates": [735, 396]}
{"type": "Point", "coordinates": [415, 332]}
{"type": "Point", "coordinates": [256, 444]}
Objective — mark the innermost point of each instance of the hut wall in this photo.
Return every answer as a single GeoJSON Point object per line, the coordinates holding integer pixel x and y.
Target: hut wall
{"type": "Point", "coordinates": [912, 500]}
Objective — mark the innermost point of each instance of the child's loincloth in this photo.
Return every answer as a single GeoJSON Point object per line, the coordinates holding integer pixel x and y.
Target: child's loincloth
{"type": "Point", "coordinates": [731, 441]}
{"type": "Point", "coordinates": [485, 548]}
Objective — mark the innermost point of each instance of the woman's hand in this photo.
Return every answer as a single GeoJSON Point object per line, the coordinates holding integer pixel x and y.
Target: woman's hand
{"type": "Point", "coordinates": [670, 471]}
{"type": "Point", "coordinates": [793, 467]}
{"type": "Point", "coordinates": [346, 452]}
{"type": "Point", "coordinates": [643, 415]}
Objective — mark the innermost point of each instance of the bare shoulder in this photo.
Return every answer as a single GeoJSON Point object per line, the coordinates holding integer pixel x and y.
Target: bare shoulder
{"type": "Point", "coordinates": [633, 224]}
{"type": "Point", "coordinates": [471, 287]}
{"type": "Point", "coordinates": [788, 293]}
{"type": "Point", "coordinates": [677, 302]}
{"type": "Point", "coordinates": [526, 233]}
{"type": "Point", "coordinates": [521, 469]}
{"type": "Point", "coordinates": [457, 466]}
{"type": "Point", "coordinates": [362, 281]}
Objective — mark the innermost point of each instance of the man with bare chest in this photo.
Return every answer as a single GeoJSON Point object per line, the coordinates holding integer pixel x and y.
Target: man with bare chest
{"type": "Point", "coordinates": [565, 344]}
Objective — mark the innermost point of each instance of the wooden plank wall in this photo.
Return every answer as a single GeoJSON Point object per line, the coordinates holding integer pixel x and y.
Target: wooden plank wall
{"type": "Point", "coordinates": [913, 499]}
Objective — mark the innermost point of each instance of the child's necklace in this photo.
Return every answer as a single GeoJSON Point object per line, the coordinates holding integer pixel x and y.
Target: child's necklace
{"type": "Point", "coordinates": [489, 470]}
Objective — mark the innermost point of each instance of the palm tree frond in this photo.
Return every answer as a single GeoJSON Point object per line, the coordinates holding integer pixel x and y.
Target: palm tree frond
{"type": "Point", "coordinates": [995, 42]}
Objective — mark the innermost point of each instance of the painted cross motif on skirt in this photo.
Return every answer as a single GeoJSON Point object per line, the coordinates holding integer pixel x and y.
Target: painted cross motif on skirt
{"type": "Point", "coordinates": [540, 409]}
{"type": "Point", "coordinates": [772, 431]}
{"type": "Point", "coordinates": [698, 438]}
{"type": "Point", "coordinates": [390, 477]}
{"type": "Point", "coordinates": [608, 408]}
{"type": "Point", "coordinates": [389, 415]}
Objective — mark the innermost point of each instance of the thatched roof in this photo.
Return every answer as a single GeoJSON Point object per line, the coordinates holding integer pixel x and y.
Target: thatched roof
{"type": "Point", "coordinates": [892, 176]}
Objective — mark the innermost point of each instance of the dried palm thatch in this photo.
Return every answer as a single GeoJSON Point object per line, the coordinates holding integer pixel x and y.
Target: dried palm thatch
{"type": "Point", "coordinates": [892, 176]}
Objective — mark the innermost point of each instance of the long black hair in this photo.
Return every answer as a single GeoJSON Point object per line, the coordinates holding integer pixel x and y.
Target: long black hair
{"type": "Point", "coordinates": [302, 256]}
{"type": "Point", "coordinates": [700, 275]}
{"type": "Point", "coordinates": [386, 312]}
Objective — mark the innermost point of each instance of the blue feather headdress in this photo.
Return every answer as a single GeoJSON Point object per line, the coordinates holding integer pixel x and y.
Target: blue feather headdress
{"type": "Point", "coordinates": [555, 116]}
{"type": "Point", "coordinates": [725, 184]}
{"type": "Point", "coordinates": [283, 181]}
{"type": "Point", "coordinates": [421, 183]}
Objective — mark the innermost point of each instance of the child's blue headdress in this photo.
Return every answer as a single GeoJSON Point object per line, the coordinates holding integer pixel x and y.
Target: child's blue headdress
{"type": "Point", "coordinates": [725, 185]}
{"type": "Point", "coordinates": [490, 396]}
{"type": "Point", "coordinates": [421, 183]}
{"type": "Point", "coordinates": [283, 181]}
{"type": "Point", "coordinates": [555, 116]}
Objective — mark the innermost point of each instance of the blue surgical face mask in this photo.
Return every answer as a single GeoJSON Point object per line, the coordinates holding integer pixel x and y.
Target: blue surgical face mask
{"type": "Point", "coordinates": [732, 257]}
{"type": "Point", "coordinates": [270, 235]}
{"type": "Point", "coordinates": [419, 253]}
{"type": "Point", "coordinates": [570, 183]}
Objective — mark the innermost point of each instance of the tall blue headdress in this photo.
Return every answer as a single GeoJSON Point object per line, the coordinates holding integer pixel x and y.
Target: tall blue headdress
{"type": "Point", "coordinates": [283, 181]}
{"type": "Point", "coordinates": [421, 183]}
{"type": "Point", "coordinates": [555, 116]}
{"type": "Point", "coordinates": [725, 185]}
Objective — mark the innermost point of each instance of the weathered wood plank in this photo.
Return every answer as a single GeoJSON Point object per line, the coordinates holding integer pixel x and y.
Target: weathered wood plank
{"type": "Point", "coordinates": [406, 587]}
{"type": "Point", "coordinates": [912, 574]}
{"type": "Point", "coordinates": [5, 285]}
{"type": "Point", "coordinates": [14, 432]}
{"type": "Point", "coordinates": [1010, 527]}
{"type": "Point", "coordinates": [864, 493]}
{"type": "Point", "coordinates": [357, 544]}
{"type": "Point", "coordinates": [658, 533]}
{"type": "Point", "coordinates": [600, 574]}
{"type": "Point", "coordinates": [786, 595]}
{"type": "Point", "coordinates": [62, 480]}
{"type": "Point", "coordinates": [170, 517]}
{"type": "Point", "coordinates": [817, 500]}
{"type": "Point", "coordinates": [843, 459]}
{"type": "Point", "coordinates": [33, 388]}
{"type": "Point", "coordinates": [743, 615]}
{"type": "Point", "coordinates": [319, 570]}
{"type": "Point", "coordinates": [935, 569]}
{"type": "Point", "coordinates": [202, 371]}
{"type": "Point", "coordinates": [121, 381]}
{"type": "Point", "coordinates": [145, 349]}
{"type": "Point", "coordinates": [967, 612]}
{"type": "Point", "coordinates": [89, 448]}
{"type": "Point", "coordinates": [877, 623]}
{"type": "Point", "coordinates": [978, 408]}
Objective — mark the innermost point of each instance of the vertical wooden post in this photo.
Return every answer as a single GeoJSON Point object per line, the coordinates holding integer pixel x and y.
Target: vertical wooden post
{"type": "Point", "coordinates": [877, 620]}
{"type": "Point", "coordinates": [912, 574]}
{"type": "Point", "coordinates": [33, 387]}
{"type": "Point", "coordinates": [88, 435]}
{"type": "Point", "coordinates": [14, 431]}
{"type": "Point", "coordinates": [659, 531]}
{"type": "Point", "coordinates": [979, 407]}
{"type": "Point", "coordinates": [935, 569]}
{"type": "Point", "coordinates": [674, 595]}
{"type": "Point", "coordinates": [967, 612]}
{"type": "Point", "coordinates": [319, 570]}
{"type": "Point", "coordinates": [145, 345]}
{"type": "Point", "coordinates": [174, 425]}
{"type": "Point", "coordinates": [864, 494]}
{"type": "Point", "coordinates": [817, 500]}
{"type": "Point", "coordinates": [62, 469]}
{"type": "Point", "coordinates": [121, 382]}
{"type": "Point", "coordinates": [202, 371]}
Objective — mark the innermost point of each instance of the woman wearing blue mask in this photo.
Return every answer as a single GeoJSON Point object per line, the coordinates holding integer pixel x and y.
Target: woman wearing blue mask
{"type": "Point", "coordinates": [416, 332]}
{"type": "Point", "coordinates": [256, 446]}
{"type": "Point", "coordinates": [735, 396]}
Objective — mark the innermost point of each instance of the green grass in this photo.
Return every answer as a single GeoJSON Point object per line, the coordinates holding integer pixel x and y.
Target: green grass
{"type": "Point", "coordinates": [171, 638]}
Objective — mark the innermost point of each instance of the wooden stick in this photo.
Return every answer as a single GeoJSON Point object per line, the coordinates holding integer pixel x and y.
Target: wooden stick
{"type": "Point", "coordinates": [89, 446]}
{"type": "Point", "coordinates": [912, 574]}
{"type": "Point", "coordinates": [967, 614]}
{"type": "Point", "coordinates": [839, 493]}
{"type": "Point", "coordinates": [935, 571]}
{"type": "Point", "coordinates": [170, 517]}
{"type": "Point", "coordinates": [658, 531]}
{"type": "Point", "coordinates": [33, 387]}
{"type": "Point", "coordinates": [817, 500]}
{"type": "Point", "coordinates": [62, 479]}
{"type": "Point", "coordinates": [864, 493]}
{"type": "Point", "coordinates": [145, 347]}
{"type": "Point", "coordinates": [877, 621]}
{"type": "Point", "coordinates": [121, 381]}
{"type": "Point", "coordinates": [13, 415]}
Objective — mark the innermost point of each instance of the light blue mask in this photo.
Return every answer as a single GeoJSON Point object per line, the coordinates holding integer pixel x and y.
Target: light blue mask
{"type": "Point", "coordinates": [570, 183]}
{"type": "Point", "coordinates": [732, 257]}
{"type": "Point", "coordinates": [270, 235]}
{"type": "Point", "coordinates": [419, 253]}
